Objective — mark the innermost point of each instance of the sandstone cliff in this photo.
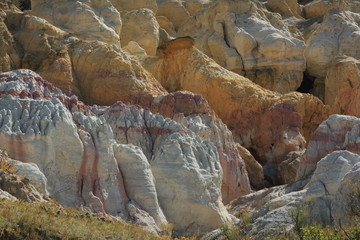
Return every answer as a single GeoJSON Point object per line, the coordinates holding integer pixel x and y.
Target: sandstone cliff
{"type": "Point", "coordinates": [198, 103]}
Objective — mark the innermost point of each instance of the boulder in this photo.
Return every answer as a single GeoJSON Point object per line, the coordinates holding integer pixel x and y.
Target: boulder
{"type": "Point", "coordinates": [336, 133]}
{"type": "Point", "coordinates": [13, 187]}
{"type": "Point", "coordinates": [140, 26]}
{"type": "Point", "coordinates": [254, 169]}
{"type": "Point", "coordinates": [244, 37]}
{"type": "Point", "coordinates": [6, 195]}
{"type": "Point", "coordinates": [134, 48]}
{"type": "Point", "coordinates": [323, 190]}
{"type": "Point", "coordinates": [288, 168]}
{"type": "Point", "coordinates": [347, 198]}
{"type": "Point", "coordinates": [320, 7]}
{"type": "Point", "coordinates": [32, 172]}
{"type": "Point", "coordinates": [342, 86]}
{"type": "Point", "coordinates": [174, 10]}
{"type": "Point", "coordinates": [165, 23]}
{"type": "Point", "coordinates": [90, 20]}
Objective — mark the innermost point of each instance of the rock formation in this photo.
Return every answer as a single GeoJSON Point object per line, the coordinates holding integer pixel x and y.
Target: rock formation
{"type": "Point", "coordinates": [342, 86]}
{"type": "Point", "coordinates": [247, 39]}
{"type": "Point", "coordinates": [193, 111]}
{"type": "Point", "coordinates": [269, 124]}
{"type": "Point", "coordinates": [96, 71]}
{"type": "Point", "coordinates": [328, 199]}
{"type": "Point", "coordinates": [90, 20]}
{"type": "Point", "coordinates": [337, 132]}
{"type": "Point", "coordinates": [140, 26]}
{"type": "Point", "coordinates": [323, 192]}
{"type": "Point", "coordinates": [336, 35]}
{"type": "Point", "coordinates": [181, 125]}
{"type": "Point", "coordinates": [79, 150]}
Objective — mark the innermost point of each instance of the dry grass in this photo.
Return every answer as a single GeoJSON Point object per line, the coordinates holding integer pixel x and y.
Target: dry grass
{"type": "Point", "coordinates": [21, 220]}
{"type": "Point", "coordinates": [4, 164]}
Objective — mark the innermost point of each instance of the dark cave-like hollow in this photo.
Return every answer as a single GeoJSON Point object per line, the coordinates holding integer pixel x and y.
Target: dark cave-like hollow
{"type": "Point", "coordinates": [307, 84]}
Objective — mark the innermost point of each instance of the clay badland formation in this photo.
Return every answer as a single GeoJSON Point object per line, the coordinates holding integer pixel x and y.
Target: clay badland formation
{"type": "Point", "coordinates": [165, 111]}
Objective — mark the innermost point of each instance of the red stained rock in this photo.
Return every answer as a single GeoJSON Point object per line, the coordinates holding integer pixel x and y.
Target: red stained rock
{"type": "Point", "coordinates": [338, 132]}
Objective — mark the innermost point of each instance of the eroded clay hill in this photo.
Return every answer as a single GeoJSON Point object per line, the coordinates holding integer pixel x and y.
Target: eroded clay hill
{"type": "Point", "coordinates": [197, 103]}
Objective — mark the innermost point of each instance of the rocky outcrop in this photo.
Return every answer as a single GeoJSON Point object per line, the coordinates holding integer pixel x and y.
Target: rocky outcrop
{"type": "Point", "coordinates": [323, 192]}
{"type": "Point", "coordinates": [330, 198]}
{"type": "Point", "coordinates": [337, 132]}
{"type": "Point", "coordinates": [32, 172]}
{"type": "Point", "coordinates": [244, 37]}
{"type": "Point", "coordinates": [90, 20]}
{"type": "Point", "coordinates": [342, 86]}
{"type": "Point", "coordinates": [79, 149]}
{"type": "Point", "coordinates": [106, 75]}
{"type": "Point", "coordinates": [140, 26]}
{"type": "Point", "coordinates": [269, 124]}
{"type": "Point", "coordinates": [325, 43]}
{"type": "Point", "coordinates": [18, 187]}
{"type": "Point", "coordinates": [97, 72]}
{"type": "Point", "coordinates": [165, 143]}
{"type": "Point", "coordinates": [194, 112]}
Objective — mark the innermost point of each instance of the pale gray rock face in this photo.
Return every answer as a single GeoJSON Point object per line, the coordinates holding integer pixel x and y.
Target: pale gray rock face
{"type": "Point", "coordinates": [329, 198]}
{"type": "Point", "coordinates": [244, 37]}
{"type": "Point", "coordinates": [173, 175]}
{"type": "Point", "coordinates": [33, 173]}
{"type": "Point", "coordinates": [178, 159]}
{"type": "Point", "coordinates": [336, 133]}
{"type": "Point", "coordinates": [89, 20]}
{"type": "Point", "coordinates": [42, 132]}
{"type": "Point", "coordinates": [235, 181]}
{"type": "Point", "coordinates": [201, 170]}
{"type": "Point", "coordinates": [6, 195]}
{"type": "Point", "coordinates": [139, 180]}
{"type": "Point", "coordinates": [323, 190]}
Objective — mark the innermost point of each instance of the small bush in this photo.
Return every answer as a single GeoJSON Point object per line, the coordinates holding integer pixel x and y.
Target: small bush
{"type": "Point", "coordinates": [166, 229]}
{"type": "Point", "coordinates": [232, 232]}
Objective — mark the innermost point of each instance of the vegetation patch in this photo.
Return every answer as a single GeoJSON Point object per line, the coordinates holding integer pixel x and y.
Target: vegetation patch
{"type": "Point", "coordinates": [44, 220]}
